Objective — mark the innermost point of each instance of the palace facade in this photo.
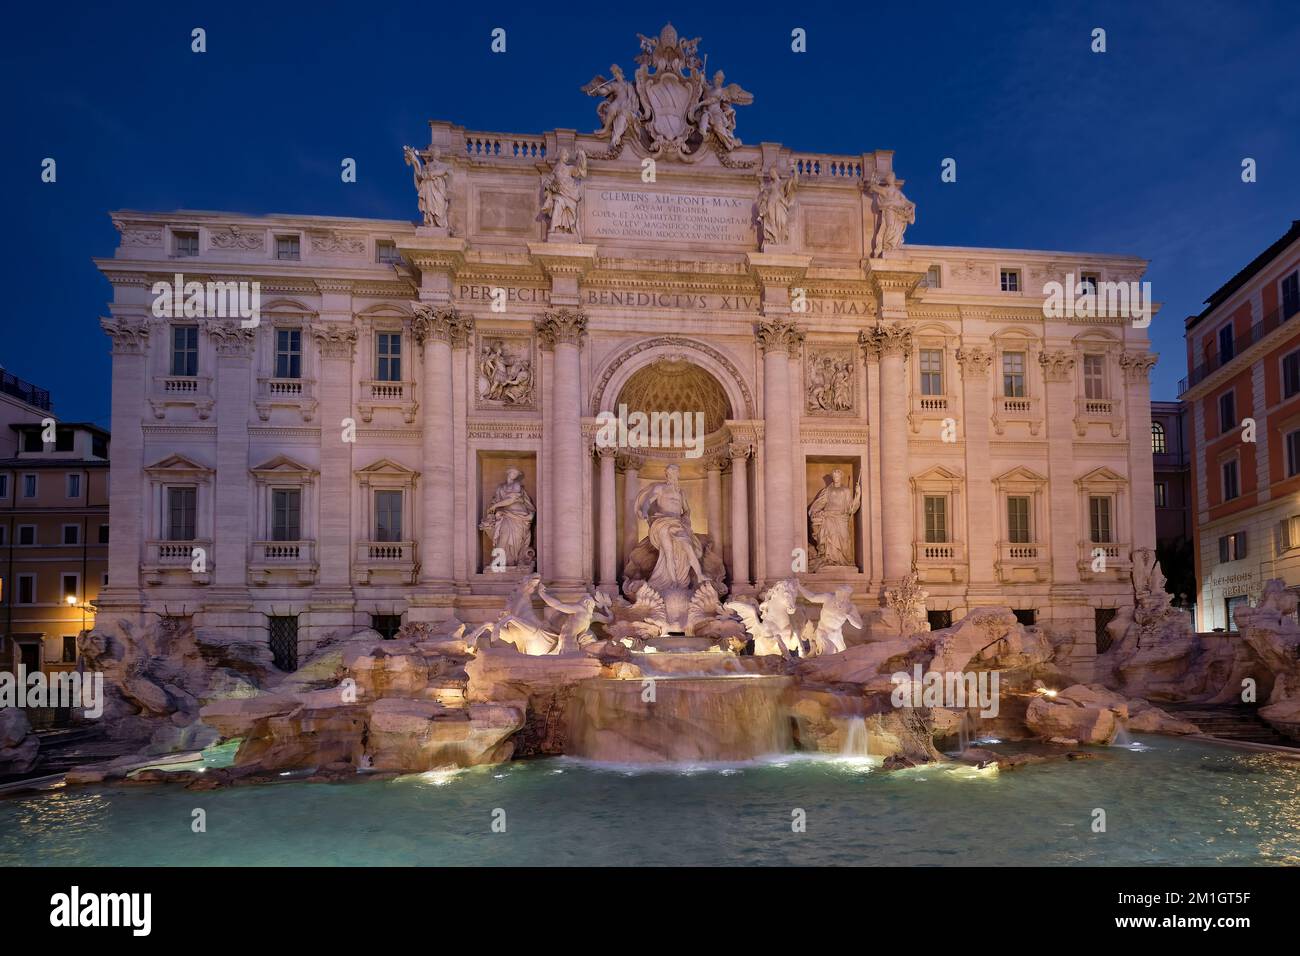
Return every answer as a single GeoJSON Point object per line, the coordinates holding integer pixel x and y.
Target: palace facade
{"type": "Point", "coordinates": [332, 466]}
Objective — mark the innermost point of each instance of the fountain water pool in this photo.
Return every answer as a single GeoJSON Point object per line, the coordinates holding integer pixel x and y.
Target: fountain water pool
{"type": "Point", "coordinates": [1179, 802]}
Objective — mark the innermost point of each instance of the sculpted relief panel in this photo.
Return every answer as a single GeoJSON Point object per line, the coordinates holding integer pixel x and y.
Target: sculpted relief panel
{"type": "Point", "coordinates": [830, 379]}
{"type": "Point", "coordinates": [505, 371]}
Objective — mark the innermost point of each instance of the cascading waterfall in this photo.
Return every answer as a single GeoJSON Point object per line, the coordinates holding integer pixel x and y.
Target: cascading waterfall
{"type": "Point", "coordinates": [857, 742]}
{"type": "Point", "coordinates": [679, 719]}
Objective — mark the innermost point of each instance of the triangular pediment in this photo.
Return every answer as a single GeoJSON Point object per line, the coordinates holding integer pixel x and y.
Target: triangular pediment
{"type": "Point", "coordinates": [176, 464]}
{"type": "Point", "coordinates": [386, 466]}
{"type": "Point", "coordinates": [1020, 474]}
{"type": "Point", "coordinates": [282, 465]}
{"type": "Point", "coordinates": [1101, 476]}
{"type": "Point", "coordinates": [937, 473]}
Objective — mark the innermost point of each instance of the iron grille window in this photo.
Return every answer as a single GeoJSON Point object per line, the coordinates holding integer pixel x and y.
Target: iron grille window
{"type": "Point", "coordinates": [939, 619]}
{"type": "Point", "coordinates": [283, 636]}
{"type": "Point", "coordinates": [288, 353]}
{"type": "Point", "coordinates": [1102, 616]}
{"type": "Point", "coordinates": [387, 625]}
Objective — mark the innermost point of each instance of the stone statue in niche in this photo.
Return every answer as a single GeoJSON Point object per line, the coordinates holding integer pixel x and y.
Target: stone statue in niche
{"type": "Point", "coordinates": [830, 382]}
{"type": "Point", "coordinates": [505, 375]}
{"type": "Point", "coordinates": [509, 521]}
{"type": "Point", "coordinates": [774, 201]}
{"type": "Point", "coordinates": [664, 508]}
{"type": "Point", "coordinates": [431, 183]}
{"type": "Point", "coordinates": [831, 513]}
{"type": "Point", "coordinates": [894, 213]}
{"type": "Point", "coordinates": [562, 191]}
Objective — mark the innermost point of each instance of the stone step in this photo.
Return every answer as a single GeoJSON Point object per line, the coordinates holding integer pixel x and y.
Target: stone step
{"type": "Point", "coordinates": [1231, 722]}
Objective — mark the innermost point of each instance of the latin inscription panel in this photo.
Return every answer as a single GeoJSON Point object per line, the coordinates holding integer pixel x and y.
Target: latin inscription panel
{"type": "Point", "coordinates": [638, 215]}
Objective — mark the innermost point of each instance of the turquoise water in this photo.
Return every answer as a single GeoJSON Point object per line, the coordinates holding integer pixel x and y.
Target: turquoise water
{"type": "Point", "coordinates": [1174, 802]}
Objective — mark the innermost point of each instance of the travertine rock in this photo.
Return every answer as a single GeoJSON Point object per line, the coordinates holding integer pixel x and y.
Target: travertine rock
{"type": "Point", "coordinates": [1144, 717]}
{"type": "Point", "coordinates": [1088, 713]}
{"type": "Point", "coordinates": [19, 747]}
{"type": "Point", "coordinates": [540, 685]}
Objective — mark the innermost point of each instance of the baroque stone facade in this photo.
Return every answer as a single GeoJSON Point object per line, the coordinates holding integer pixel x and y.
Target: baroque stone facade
{"type": "Point", "coordinates": [334, 463]}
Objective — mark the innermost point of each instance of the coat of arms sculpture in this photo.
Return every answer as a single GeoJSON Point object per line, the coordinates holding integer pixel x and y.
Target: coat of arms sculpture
{"type": "Point", "coordinates": [670, 108]}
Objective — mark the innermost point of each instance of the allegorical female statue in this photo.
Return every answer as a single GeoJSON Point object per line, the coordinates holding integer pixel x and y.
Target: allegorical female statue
{"type": "Point", "coordinates": [665, 509]}
{"type": "Point", "coordinates": [896, 213]}
{"type": "Point", "coordinates": [562, 190]}
{"type": "Point", "coordinates": [774, 208]}
{"type": "Point", "coordinates": [509, 520]}
{"type": "Point", "coordinates": [431, 180]}
{"type": "Point", "coordinates": [832, 512]}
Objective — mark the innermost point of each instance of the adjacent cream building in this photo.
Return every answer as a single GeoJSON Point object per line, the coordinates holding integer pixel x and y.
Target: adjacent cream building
{"type": "Point", "coordinates": [330, 467]}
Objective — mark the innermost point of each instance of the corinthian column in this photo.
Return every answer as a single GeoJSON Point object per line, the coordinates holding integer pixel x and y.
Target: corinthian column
{"type": "Point", "coordinates": [890, 345]}
{"type": "Point", "coordinates": [561, 331]}
{"type": "Point", "coordinates": [234, 347]}
{"type": "Point", "coordinates": [739, 453]}
{"type": "Point", "coordinates": [713, 497]}
{"type": "Point", "coordinates": [981, 508]}
{"type": "Point", "coordinates": [608, 567]}
{"type": "Point", "coordinates": [631, 465]}
{"type": "Point", "coordinates": [779, 339]}
{"type": "Point", "coordinates": [436, 327]}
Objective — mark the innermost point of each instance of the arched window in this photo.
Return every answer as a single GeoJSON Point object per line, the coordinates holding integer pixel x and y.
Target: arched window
{"type": "Point", "coordinates": [1157, 438]}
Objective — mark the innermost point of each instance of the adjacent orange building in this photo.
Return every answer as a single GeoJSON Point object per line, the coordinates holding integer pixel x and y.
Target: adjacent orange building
{"type": "Point", "coordinates": [1243, 393]}
{"type": "Point", "coordinates": [53, 530]}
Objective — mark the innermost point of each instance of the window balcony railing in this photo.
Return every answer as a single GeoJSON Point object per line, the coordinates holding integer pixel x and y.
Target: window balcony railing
{"type": "Point", "coordinates": [271, 560]}
{"type": "Point", "coordinates": [1098, 411]}
{"type": "Point", "coordinates": [386, 557]}
{"type": "Point", "coordinates": [1103, 560]}
{"type": "Point", "coordinates": [285, 393]}
{"type": "Point", "coordinates": [940, 561]}
{"type": "Point", "coordinates": [1023, 562]}
{"type": "Point", "coordinates": [164, 557]}
{"type": "Point", "coordinates": [931, 408]}
{"type": "Point", "coordinates": [383, 394]}
{"type": "Point", "coordinates": [1256, 333]}
{"type": "Point", "coordinates": [1022, 408]}
{"type": "Point", "coordinates": [181, 390]}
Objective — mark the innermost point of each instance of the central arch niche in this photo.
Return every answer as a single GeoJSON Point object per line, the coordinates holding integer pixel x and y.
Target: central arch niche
{"type": "Point", "coordinates": [676, 385]}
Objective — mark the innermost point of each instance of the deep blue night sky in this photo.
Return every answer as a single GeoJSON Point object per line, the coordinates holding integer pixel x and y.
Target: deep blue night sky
{"type": "Point", "coordinates": [1137, 150]}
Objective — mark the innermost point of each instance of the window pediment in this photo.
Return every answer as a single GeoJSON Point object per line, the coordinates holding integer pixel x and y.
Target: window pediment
{"type": "Point", "coordinates": [178, 466]}
{"type": "Point", "coordinates": [1020, 475]}
{"type": "Point", "coordinates": [282, 466]}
